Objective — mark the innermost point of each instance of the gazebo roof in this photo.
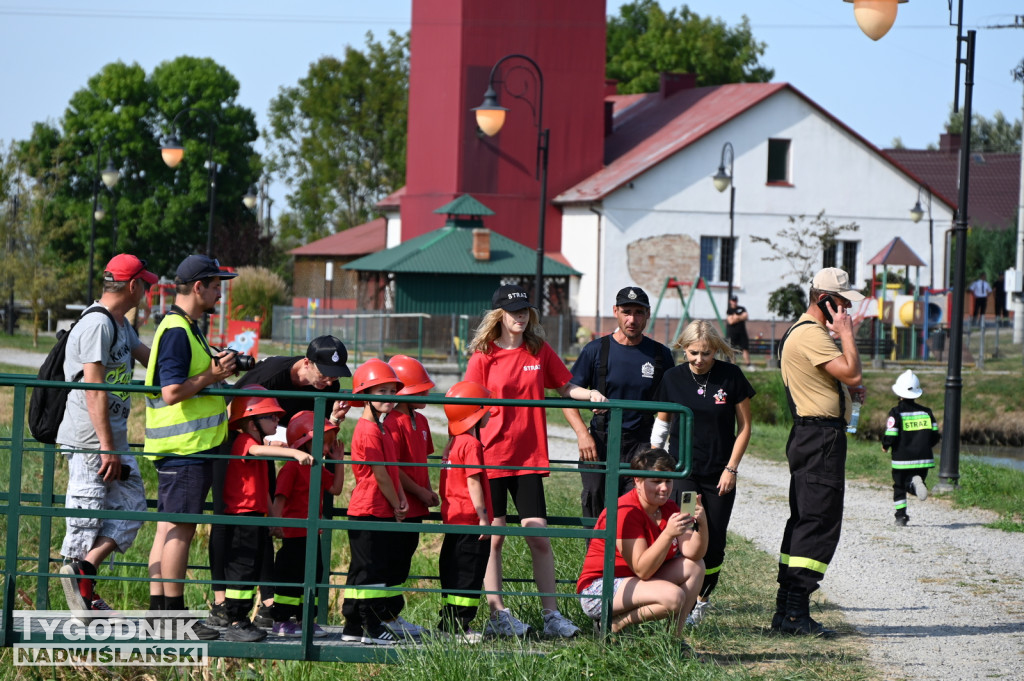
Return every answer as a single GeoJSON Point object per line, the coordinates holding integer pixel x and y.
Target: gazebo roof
{"type": "Point", "coordinates": [897, 252]}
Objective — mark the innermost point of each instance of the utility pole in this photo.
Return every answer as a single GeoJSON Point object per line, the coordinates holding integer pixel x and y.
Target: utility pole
{"type": "Point", "coordinates": [1018, 298]}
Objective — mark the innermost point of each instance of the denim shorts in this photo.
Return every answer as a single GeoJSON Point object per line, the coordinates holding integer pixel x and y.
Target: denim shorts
{"type": "Point", "coordinates": [183, 488]}
{"type": "Point", "coordinates": [592, 605]}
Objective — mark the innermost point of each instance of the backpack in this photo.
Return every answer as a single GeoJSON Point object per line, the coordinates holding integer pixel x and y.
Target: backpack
{"type": "Point", "coordinates": [46, 407]}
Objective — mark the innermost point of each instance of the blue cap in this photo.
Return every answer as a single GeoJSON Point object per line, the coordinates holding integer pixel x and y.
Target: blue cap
{"type": "Point", "coordinates": [198, 267]}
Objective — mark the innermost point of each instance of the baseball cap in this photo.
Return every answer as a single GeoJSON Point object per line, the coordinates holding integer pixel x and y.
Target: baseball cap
{"type": "Point", "coordinates": [510, 298]}
{"type": "Point", "coordinates": [125, 267]}
{"type": "Point", "coordinates": [197, 267]}
{"type": "Point", "coordinates": [632, 295]}
{"type": "Point", "coordinates": [329, 355]}
{"type": "Point", "coordinates": [835, 280]}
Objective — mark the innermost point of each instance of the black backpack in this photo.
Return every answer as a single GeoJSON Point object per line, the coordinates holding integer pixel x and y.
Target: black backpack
{"type": "Point", "coordinates": [46, 407]}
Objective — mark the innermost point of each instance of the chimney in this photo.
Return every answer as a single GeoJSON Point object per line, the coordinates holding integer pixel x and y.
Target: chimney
{"type": "Point", "coordinates": [949, 143]}
{"type": "Point", "coordinates": [482, 243]}
{"type": "Point", "coordinates": [672, 83]}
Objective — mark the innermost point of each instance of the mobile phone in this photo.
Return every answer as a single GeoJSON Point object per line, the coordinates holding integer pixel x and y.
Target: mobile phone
{"type": "Point", "coordinates": [688, 503]}
{"type": "Point", "coordinates": [827, 306]}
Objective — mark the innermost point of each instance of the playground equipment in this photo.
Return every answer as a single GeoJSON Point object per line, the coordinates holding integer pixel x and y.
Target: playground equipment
{"type": "Point", "coordinates": [686, 300]}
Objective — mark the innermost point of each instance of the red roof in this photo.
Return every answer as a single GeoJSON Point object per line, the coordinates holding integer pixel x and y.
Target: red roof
{"type": "Point", "coordinates": [898, 253]}
{"type": "Point", "coordinates": [994, 183]}
{"type": "Point", "coordinates": [356, 241]}
{"type": "Point", "coordinates": [392, 200]}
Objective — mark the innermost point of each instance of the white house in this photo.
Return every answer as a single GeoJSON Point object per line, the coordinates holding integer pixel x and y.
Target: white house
{"type": "Point", "coordinates": [653, 212]}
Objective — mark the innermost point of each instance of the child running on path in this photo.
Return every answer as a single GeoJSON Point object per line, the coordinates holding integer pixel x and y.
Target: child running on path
{"type": "Point", "coordinates": [910, 432]}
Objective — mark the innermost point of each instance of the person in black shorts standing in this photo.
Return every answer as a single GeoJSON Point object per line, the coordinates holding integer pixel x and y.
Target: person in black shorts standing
{"type": "Point", "coordinates": [736, 329]}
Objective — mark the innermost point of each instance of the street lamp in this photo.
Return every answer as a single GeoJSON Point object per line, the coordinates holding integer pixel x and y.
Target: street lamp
{"type": "Point", "coordinates": [173, 152]}
{"type": "Point", "coordinates": [916, 213]}
{"type": "Point", "coordinates": [490, 116]}
{"type": "Point", "coordinates": [109, 177]}
{"type": "Point", "coordinates": [949, 467]}
{"type": "Point", "coordinates": [722, 180]}
{"type": "Point", "coordinates": [875, 17]}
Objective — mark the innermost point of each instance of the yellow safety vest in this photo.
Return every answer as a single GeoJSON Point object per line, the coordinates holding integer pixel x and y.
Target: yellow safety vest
{"type": "Point", "coordinates": [193, 425]}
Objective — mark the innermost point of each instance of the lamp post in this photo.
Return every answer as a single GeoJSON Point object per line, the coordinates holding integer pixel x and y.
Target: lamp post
{"type": "Point", "coordinates": [722, 180]}
{"type": "Point", "coordinates": [875, 17]}
{"type": "Point", "coordinates": [109, 176]}
{"type": "Point", "coordinates": [916, 213]}
{"type": "Point", "coordinates": [490, 116]}
{"type": "Point", "coordinates": [173, 152]}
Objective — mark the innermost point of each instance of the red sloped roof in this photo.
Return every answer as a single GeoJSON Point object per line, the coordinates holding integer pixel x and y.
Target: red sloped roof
{"type": "Point", "coordinates": [355, 241]}
{"type": "Point", "coordinates": [898, 253]}
{"type": "Point", "coordinates": [993, 186]}
{"type": "Point", "coordinates": [392, 200]}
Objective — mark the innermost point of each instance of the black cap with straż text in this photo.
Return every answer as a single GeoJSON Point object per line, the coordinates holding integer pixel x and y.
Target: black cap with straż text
{"type": "Point", "coordinates": [329, 355]}
{"type": "Point", "coordinates": [632, 295]}
{"type": "Point", "coordinates": [510, 298]}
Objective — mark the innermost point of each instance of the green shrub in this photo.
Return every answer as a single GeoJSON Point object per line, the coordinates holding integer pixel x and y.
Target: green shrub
{"type": "Point", "coordinates": [255, 293]}
{"type": "Point", "coordinates": [769, 405]}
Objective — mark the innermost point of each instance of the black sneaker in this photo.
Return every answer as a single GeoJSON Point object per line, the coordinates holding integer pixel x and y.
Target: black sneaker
{"type": "Point", "coordinates": [218, 616]}
{"type": "Point", "coordinates": [806, 626]}
{"type": "Point", "coordinates": [264, 616]}
{"type": "Point", "coordinates": [70, 574]}
{"type": "Point", "coordinates": [902, 519]}
{"type": "Point", "coordinates": [379, 636]}
{"type": "Point", "coordinates": [244, 631]}
{"type": "Point", "coordinates": [205, 633]}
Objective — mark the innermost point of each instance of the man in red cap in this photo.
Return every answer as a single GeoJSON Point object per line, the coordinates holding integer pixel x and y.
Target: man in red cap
{"type": "Point", "coordinates": [101, 348]}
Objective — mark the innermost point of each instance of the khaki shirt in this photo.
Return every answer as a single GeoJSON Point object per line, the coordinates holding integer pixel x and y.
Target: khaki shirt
{"type": "Point", "coordinates": [806, 352]}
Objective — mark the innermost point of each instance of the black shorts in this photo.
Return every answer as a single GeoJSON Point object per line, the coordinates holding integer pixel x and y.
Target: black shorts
{"type": "Point", "coordinates": [527, 494]}
{"type": "Point", "coordinates": [183, 488]}
{"type": "Point", "coordinates": [739, 340]}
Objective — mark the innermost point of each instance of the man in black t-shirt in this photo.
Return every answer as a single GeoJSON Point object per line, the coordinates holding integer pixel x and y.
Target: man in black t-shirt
{"type": "Point", "coordinates": [625, 365]}
{"type": "Point", "coordinates": [736, 328]}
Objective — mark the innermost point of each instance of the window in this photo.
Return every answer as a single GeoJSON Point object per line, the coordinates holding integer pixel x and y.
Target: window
{"type": "Point", "coordinates": [717, 254]}
{"type": "Point", "coordinates": [778, 162]}
{"type": "Point", "coordinates": [842, 254]}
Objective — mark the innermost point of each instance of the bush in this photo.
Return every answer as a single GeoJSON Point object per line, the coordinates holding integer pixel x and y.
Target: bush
{"type": "Point", "coordinates": [770, 404]}
{"type": "Point", "coordinates": [255, 293]}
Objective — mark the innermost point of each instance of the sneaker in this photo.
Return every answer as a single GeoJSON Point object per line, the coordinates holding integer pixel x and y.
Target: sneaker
{"type": "Point", "coordinates": [700, 609]}
{"type": "Point", "coordinates": [468, 636]}
{"type": "Point", "coordinates": [557, 625]}
{"type": "Point", "coordinates": [806, 626]}
{"type": "Point", "coordinates": [244, 631]}
{"type": "Point", "coordinates": [264, 617]}
{"type": "Point", "coordinates": [318, 631]}
{"type": "Point", "coordinates": [205, 633]}
{"type": "Point", "coordinates": [402, 628]}
{"type": "Point", "coordinates": [379, 636]}
{"type": "Point", "coordinates": [287, 629]}
{"type": "Point", "coordinates": [919, 489]}
{"type": "Point", "coordinates": [70, 574]}
{"type": "Point", "coordinates": [505, 625]}
{"type": "Point", "coordinates": [218, 616]}
{"type": "Point", "coordinates": [351, 634]}
{"type": "Point", "coordinates": [902, 520]}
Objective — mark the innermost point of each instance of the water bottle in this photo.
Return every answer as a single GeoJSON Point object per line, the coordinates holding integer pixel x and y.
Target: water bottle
{"type": "Point", "coordinates": [854, 418]}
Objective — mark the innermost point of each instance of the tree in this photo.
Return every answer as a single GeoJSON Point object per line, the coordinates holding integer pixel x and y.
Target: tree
{"type": "Point", "coordinates": [122, 115]}
{"type": "Point", "coordinates": [338, 137]}
{"type": "Point", "coordinates": [995, 135]}
{"type": "Point", "coordinates": [644, 41]}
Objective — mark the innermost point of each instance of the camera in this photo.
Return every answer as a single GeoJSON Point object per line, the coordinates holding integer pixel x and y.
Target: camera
{"type": "Point", "coordinates": [243, 362]}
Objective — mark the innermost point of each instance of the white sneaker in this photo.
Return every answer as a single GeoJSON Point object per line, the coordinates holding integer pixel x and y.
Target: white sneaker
{"type": "Point", "coordinates": [402, 628]}
{"type": "Point", "coordinates": [919, 489]}
{"type": "Point", "coordinates": [556, 625]}
{"type": "Point", "coordinates": [505, 625]}
{"type": "Point", "coordinates": [700, 609]}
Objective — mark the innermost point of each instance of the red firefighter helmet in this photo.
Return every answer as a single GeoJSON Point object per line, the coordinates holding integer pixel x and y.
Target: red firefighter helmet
{"type": "Point", "coordinates": [412, 374]}
{"type": "Point", "coordinates": [370, 373]}
{"type": "Point", "coordinates": [462, 417]}
{"type": "Point", "coordinates": [300, 428]}
{"type": "Point", "coordinates": [244, 406]}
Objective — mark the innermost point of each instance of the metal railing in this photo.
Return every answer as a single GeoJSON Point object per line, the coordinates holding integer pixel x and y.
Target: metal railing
{"type": "Point", "coordinates": [18, 503]}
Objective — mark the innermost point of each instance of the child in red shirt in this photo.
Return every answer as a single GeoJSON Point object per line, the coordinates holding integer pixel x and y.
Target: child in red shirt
{"type": "Point", "coordinates": [247, 492]}
{"type": "Point", "coordinates": [291, 500]}
{"type": "Point", "coordinates": [465, 500]}
{"type": "Point", "coordinates": [378, 496]}
{"type": "Point", "coordinates": [411, 435]}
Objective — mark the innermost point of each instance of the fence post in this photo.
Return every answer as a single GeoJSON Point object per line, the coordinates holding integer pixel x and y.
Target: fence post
{"type": "Point", "coordinates": [13, 516]}
{"type": "Point", "coordinates": [45, 524]}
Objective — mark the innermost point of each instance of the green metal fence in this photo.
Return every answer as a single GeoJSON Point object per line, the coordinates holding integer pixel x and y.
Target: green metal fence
{"type": "Point", "coordinates": [18, 503]}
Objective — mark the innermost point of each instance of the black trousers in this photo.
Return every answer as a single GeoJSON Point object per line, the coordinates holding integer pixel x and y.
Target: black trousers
{"type": "Point", "coordinates": [592, 496]}
{"type": "Point", "coordinates": [718, 510]}
{"type": "Point", "coordinates": [817, 468]}
{"type": "Point", "coordinates": [901, 478]}
{"type": "Point", "coordinates": [220, 470]}
{"type": "Point", "coordinates": [379, 559]}
{"type": "Point", "coordinates": [462, 565]}
{"type": "Point", "coordinates": [290, 566]}
{"type": "Point", "coordinates": [237, 551]}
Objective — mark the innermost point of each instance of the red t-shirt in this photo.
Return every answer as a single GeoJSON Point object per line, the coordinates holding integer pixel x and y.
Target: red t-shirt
{"type": "Point", "coordinates": [293, 485]}
{"type": "Point", "coordinates": [633, 523]}
{"type": "Point", "coordinates": [516, 436]}
{"type": "Point", "coordinates": [246, 486]}
{"type": "Point", "coordinates": [414, 444]}
{"type": "Point", "coordinates": [456, 505]}
{"type": "Point", "coordinates": [370, 444]}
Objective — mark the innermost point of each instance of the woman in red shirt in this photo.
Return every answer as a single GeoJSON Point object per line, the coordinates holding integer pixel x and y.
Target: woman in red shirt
{"type": "Point", "coordinates": [659, 553]}
{"type": "Point", "coordinates": [511, 359]}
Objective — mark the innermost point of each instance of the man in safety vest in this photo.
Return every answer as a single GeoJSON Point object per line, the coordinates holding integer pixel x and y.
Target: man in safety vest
{"type": "Point", "coordinates": [182, 425]}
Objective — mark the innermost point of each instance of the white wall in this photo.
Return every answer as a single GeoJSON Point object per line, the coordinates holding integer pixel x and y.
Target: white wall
{"type": "Point", "coordinates": [830, 170]}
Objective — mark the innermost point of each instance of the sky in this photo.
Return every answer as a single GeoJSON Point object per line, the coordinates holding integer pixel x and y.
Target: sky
{"type": "Point", "coordinates": [901, 86]}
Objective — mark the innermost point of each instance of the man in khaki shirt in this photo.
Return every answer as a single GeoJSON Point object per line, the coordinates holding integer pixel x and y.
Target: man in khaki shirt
{"type": "Point", "coordinates": [815, 371]}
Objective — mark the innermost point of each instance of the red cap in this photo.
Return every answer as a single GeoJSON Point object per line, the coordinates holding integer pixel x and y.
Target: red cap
{"type": "Point", "coordinates": [125, 267]}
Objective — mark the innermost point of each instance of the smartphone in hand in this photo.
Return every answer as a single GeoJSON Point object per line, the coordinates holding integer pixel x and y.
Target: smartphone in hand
{"type": "Point", "coordinates": [827, 306]}
{"type": "Point", "coordinates": [688, 503]}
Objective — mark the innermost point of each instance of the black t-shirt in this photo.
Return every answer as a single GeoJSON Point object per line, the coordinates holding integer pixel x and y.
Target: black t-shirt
{"type": "Point", "coordinates": [631, 374]}
{"type": "Point", "coordinates": [274, 373]}
{"type": "Point", "coordinates": [714, 413]}
{"type": "Point", "coordinates": [739, 328]}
